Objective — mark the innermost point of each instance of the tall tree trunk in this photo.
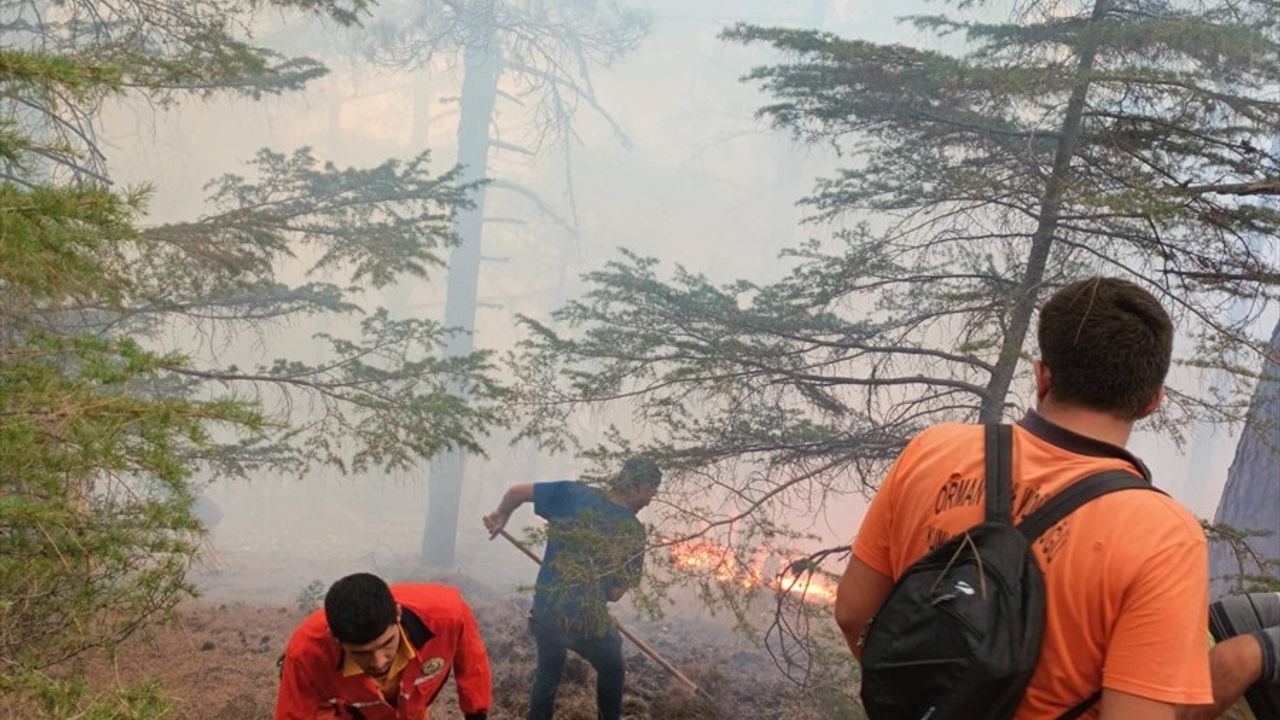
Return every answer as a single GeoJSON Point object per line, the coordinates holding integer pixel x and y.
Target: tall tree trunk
{"type": "Point", "coordinates": [420, 131]}
{"type": "Point", "coordinates": [1028, 292]}
{"type": "Point", "coordinates": [1205, 454]}
{"type": "Point", "coordinates": [1251, 499]}
{"type": "Point", "coordinates": [481, 67]}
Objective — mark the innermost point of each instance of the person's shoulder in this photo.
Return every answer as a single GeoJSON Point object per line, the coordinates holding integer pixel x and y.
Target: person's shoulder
{"type": "Point", "coordinates": [311, 637]}
{"type": "Point", "coordinates": [435, 604]}
{"type": "Point", "coordinates": [948, 432]}
{"type": "Point", "coordinates": [553, 491]}
{"type": "Point", "coordinates": [556, 484]}
{"type": "Point", "coordinates": [944, 437]}
{"type": "Point", "coordinates": [568, 488]}
{"type": "Point", "coordinates": [584, 493]}
{"type": "Point", "coordinates": [427, 595]}
{"type": "Point", "coordinates": [1154, 516]}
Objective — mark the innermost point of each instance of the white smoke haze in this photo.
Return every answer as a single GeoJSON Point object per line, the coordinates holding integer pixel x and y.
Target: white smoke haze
{"type": "Point", "coordinates": [699, 182]}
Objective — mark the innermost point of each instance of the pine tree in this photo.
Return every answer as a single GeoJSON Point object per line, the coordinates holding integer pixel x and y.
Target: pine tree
{"type": "Point", "coordinates": [546, 49]}
{"type": "Point", "coordinates": [1121, 137]}
{"type": "Point", "coordinates": [103, 435]}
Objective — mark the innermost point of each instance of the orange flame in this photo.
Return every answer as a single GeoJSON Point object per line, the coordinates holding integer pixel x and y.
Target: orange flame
{"type": "Point", "coordinates": [725, 566]}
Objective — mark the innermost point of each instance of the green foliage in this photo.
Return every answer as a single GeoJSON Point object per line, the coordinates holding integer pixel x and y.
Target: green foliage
{"type": "Point", "coordinates": [1051, 147]}
{"type": "Point", "coordinates": [311, 597]}
{"type": "Point", "coordinates": [385, 398]}
{"type": "Point", "coordinates": [378, 224]}
{"type": "Point", "coordinates": [96, 504]}
{"type": "Point", "coordinates": [54, 698]}
{"type": "Point", "coordinates": [1121, 137]}
{"type": "Point", "coordinates": [103, 436]}
{"type": "Point", "coordinates": [1252, 572]}
{"type": "Point", "coordinates": [64, 243]}
{"type": "Point", "coordinates": [343, 12]}
{"type": "Point", "coordinates": [43, 73]}
{"type": "Point", "coordinates": [58, 66]}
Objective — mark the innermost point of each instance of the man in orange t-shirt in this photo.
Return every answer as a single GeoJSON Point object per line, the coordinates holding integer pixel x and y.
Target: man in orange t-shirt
{"type": "Point", "coordinates": [1126, 575]}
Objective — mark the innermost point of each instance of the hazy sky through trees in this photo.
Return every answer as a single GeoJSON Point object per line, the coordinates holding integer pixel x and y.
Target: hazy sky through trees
{"type": "Point", "coordinates": [703, 184]}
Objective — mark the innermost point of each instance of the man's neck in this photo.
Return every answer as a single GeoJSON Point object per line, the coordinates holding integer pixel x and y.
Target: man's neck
{"type": "Point", "coordinates": [618, 499]}
{"type": "Point", "coordinates": [1091, 423]}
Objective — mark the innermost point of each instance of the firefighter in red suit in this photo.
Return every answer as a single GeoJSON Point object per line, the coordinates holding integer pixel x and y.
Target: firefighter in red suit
{"type": "Point", "coordinates": [383, 653]}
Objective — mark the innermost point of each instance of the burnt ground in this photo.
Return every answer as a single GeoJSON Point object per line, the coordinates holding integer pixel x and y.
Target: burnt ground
{"type": "Point", "coordinates": [217, 659]}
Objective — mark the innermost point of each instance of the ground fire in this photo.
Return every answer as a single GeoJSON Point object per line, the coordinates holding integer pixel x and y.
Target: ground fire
{"type": "Point", "coordinates": [766, 570]}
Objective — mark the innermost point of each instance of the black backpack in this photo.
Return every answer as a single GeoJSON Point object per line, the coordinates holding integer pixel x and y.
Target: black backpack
{"type": "Point", "coordinates": [958, 638]}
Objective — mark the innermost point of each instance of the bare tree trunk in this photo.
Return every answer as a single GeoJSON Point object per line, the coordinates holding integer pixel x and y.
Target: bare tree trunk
{"type": "Point", "coordinates": [1251, 499]}
{"type": "Point", "coordinates": [1028, 291]}
{"type": "Point", "coordinates": [481, 68]}
{"type": "Point", "coordinates": [420, 131]}
{"type": "Point", "coordinates": [1205, 455]}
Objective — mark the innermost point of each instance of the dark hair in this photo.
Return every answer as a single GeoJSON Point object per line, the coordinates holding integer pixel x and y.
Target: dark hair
{"type": "Point", "coordinates": [637, 471]}
{"type": "Point", "coordinates": [1107, 344]}
{"type": "Point", "coordinates": [359, 608]}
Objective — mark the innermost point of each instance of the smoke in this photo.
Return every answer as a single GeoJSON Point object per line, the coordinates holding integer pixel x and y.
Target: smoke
{"type": "Point", "coordinates": [700, 183]}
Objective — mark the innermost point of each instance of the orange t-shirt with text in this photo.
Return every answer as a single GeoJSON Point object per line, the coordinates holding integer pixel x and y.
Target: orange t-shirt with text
{"type": "Point", "coordinates": [1126, 576]}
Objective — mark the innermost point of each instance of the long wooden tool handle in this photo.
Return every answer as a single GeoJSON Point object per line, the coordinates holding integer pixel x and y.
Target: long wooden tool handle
{"type": "Point", "coordinates": [644, 646]}
{"type": "Point", "coordinates": [648, 650]}
{"type": "Point", "coordinates": [520, 546]}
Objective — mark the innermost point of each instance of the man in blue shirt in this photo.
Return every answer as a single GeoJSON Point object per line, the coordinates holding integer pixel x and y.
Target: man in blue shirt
{"type": "Point", "coordinates": [595, 554]}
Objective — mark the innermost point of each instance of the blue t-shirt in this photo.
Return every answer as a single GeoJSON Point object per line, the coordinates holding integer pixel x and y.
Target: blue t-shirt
{"type": "Point", "coordinates": [593, 547]}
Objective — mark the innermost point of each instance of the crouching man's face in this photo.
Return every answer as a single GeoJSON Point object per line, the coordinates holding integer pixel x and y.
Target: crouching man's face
{"type": "Point", "coordinates": [375, 657]}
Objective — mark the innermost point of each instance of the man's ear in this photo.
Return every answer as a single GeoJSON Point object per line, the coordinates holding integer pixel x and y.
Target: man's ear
{"type": "Point", "coordinates": [1153, 405]}
{"type": "Point", "coordinates": [1044, 380]}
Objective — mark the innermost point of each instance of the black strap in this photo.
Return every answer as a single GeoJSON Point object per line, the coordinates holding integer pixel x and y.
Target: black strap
{"type": "Point", "coordinates": [999, 458]}
{"type": "Point", "coordinates": [1082, 708]}
{"type": "Point", "coordinates": [1067, 502]}
{"type": "Point", "coordinates": [1077, 494]}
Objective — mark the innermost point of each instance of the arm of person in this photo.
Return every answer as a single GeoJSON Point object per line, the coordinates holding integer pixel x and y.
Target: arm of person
{"type": "Point", "coordinates": [1116, 705]}
{"type": "Point", "coordinates": [298, 699]}
{"type": "Point", "coordinates": [868, 580]}
{"type": "Point", "coordinates": [1156, 658]}
{"type": "Point", "coordinates": [471, 670]}
{"type": "Point", "coordinates": [515, 496]}
{"type": "Point", "coordinates": [861, 592]}
{"type": "Point", "coordinates": [1235, 663]}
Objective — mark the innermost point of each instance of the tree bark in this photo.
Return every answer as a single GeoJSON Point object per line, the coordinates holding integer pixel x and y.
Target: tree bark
{"type": "Point", "coordinates": [1027, 293]}
{"type": "Point", "coordinates": [1251, 499]}
{"type": "Point", "coordinates": [482, 65]}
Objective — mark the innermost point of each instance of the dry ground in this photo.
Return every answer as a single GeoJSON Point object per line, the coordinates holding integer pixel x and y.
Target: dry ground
{"type": "Point", "coordinates": [217, 662]}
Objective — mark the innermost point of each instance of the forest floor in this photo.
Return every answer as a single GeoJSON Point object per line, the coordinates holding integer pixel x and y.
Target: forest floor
{"type": "Point", "coordinates": [217, 659]}
{"type": "Point", "coordinates": [218, 662]}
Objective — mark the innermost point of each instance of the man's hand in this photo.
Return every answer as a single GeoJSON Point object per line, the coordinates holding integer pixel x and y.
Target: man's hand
{"type": "Point", "coordinates": [515, 496]}
{"type": "Point", "coordinates": [495, 521]}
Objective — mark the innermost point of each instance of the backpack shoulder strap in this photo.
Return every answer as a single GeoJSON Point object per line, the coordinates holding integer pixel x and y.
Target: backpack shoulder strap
{"type": "Point", "coordinates": [1067, 502]}
{"type": "Point", "coordinates": [1077, 494]}
{"type": "Point", "coordinates": [999, 480]}
{"type": "Point", "coordinates": [1082, 708]}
